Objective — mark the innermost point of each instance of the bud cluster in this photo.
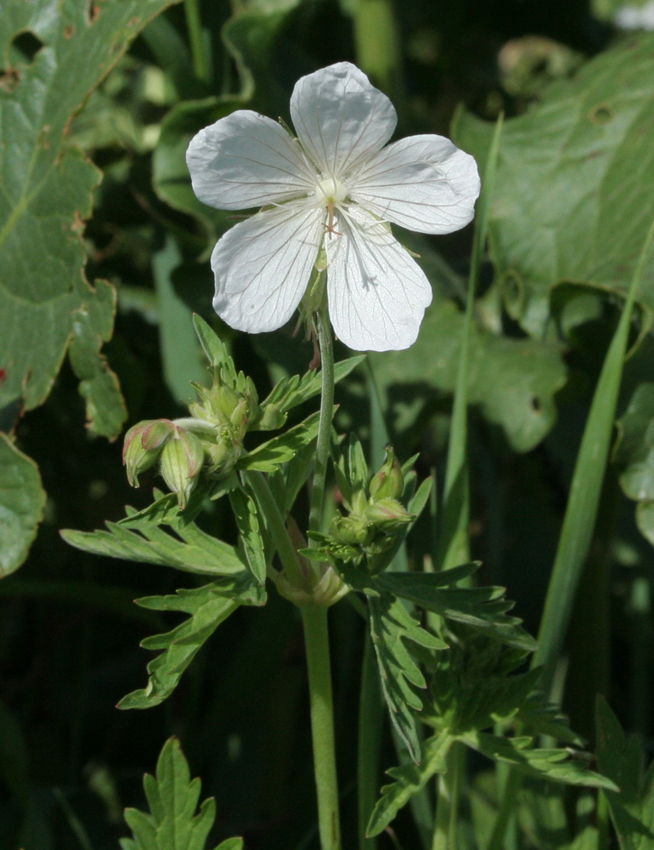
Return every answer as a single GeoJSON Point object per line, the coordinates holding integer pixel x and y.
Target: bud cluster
{"type": "Point", "coordinates": [375, 520]}
{"type": "Point", "coordinates": [210, 439]}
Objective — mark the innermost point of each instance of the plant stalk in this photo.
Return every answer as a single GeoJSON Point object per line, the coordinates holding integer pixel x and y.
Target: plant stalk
{"type": "Point", "coordinates": [314, 620]}
{"type": "Point", "coordinates": [196, 39]}
{"type": "Point", "coordinates": [325, 423]}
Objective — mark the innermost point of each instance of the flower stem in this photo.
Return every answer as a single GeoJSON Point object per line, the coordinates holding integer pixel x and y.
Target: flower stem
{"type": "Point", "coordinates": [280, 536]}
{"type": "Point", "coordinates": [325, 423]}
{"type": "Point", "coordinates": [314, 620]}
{"type": "Point", "coordinates": [196, 38]}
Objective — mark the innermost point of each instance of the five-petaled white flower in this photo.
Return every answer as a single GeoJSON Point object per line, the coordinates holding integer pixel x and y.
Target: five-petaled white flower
{"type": "Point", "coordinates": [334, 187]}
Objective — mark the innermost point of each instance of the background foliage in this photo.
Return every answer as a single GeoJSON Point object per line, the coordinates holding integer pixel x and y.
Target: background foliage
{"type": "Point", "coordinates": [98, 101]}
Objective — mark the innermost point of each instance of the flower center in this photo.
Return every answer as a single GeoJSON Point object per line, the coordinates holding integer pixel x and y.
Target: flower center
{"type": "Point", "coordinates": [330, 191]}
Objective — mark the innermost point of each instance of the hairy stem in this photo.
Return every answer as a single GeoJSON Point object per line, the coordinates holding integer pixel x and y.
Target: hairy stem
{"type": "Point", "coordinates": [325, 423]}
{"type": "Point", "coordinates": [314, 620]}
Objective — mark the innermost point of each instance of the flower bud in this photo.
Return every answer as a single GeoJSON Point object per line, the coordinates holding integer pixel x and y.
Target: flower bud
{"type": "Point", "coordinates": [389, 481]}
{"type": "Point", "coordinates": [181, 462]}
{"type": "Point", "coordinates": [388, 515]}
{"type": "Point", "coordinates": [140, 450]}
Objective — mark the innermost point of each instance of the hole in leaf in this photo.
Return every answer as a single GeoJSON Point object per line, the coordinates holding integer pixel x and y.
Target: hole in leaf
{"type": "Point", "coordinates": [601, 114]}
{"type": "Point", "coordinates": [92, 11]}
{"type": "Point", "coordinates": [535, 404]}
{"type": "Point", "coordinates": [25, 47]}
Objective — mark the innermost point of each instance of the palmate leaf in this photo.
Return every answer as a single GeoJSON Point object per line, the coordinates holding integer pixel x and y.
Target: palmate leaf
{"type": "Point", "coordinates": [173, 798]}
{"type": "Point", "coordinates": [187, 548]}
{"type": "Point", "coordinates": [290, 392]}
{"type": "Point", "coordinates": [572, 201]}
{"type": "Point", "coordinates": [559, 765]}
{"type": "Point", "coordinates": [632, 807]}
{"type": "Point", "coordinates": [47, 186]}
{"type": "Point", "coordinates": [245, 513]}
{"type": "Point", "coordinates": [271, 454]}
{"type": "Point", "coordinates": [390, 625]}
{"type": "Point", "coordinates": [409, 780]}
{"type": "Point", "coordinates": [208, 607]}
{"type": "Point", "coordinates": [483, 608]}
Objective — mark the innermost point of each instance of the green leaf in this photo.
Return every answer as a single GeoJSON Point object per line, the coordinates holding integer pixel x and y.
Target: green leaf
{"type": "Point", "coordinates": [410, 779]}
{"type": "Point", "coordinates": [188, 548]}
{"type": "Point", "coordinates": [290, 392]}
{"type": "Point", "coordinates": [390, 625]}
{"type": "Point", "coordinates": [22, 500]}
{"type": "Point", "coordinates": [208, 607]}
{"type": "Point", "coordinates": [99, 387]}
{"type": "Point", "coordinates": [481, 607]}
{"type": "Point", "coordinates": [180, 351]}
{"type": "Point", "coordinates": [572, 201]}
{"type": "Point", "coordinates": [268, 456]}
{"type": "Point", "coordinates": [621, 759]}
{"type": "Point", "coordinates": [47, 185]}
{"type": "Point", "coordinates": [173, 798]}
{"type": "Point", "coordinates": [634, 454]}
{"type": "Point", "coordinates": [245, 513]}
{"type": "Point", "coordinates": [514, 381]}
{"type": "Point", "coordinates": [559, 765]}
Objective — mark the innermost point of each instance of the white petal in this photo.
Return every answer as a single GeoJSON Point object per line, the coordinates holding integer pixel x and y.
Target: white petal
{"type": "Point", "coordinates": [423, 183]}
{"type": "Point", "coordinates": [340, 118]}
{"type": "Point", "coordinates": [247, 160]}
{"type": "Point", "coordinates": [377, 292]}
{"type": "Point", "coordinates": [263, 265]}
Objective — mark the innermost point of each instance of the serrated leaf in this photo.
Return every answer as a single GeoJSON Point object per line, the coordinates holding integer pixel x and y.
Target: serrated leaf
{"type": "Point", "coordinates": [268, 456]}
{"type": "Point", "coordinates": [480, 607]}
{"type": "Point", "coordinates": [290, 392]}
{"type": "Point", "coordinates": [22, 500]}
{"type": "Point", "coordinates": [47, 188]}
{"type": "Point", "coordinates": [208, 607]}
{"type": "Point", "coordinates": [189, 549]}
{"type": "Point", "coordinates": [245, 513]}
{"type": "Point", "coordinates": [559, 765]}
{"type": "Point", "coordinates": [410, 779]}
{"type": "Point", "coordinates": [214, 348]}
{"type": "Point", "coordinates": [572, 201]}
{"type": "Point", "coordinates": [173, 798]}
{"type": "Point", "coordinates": [390, 625]}
{"type": "Point", "coordinates": [621, 759]}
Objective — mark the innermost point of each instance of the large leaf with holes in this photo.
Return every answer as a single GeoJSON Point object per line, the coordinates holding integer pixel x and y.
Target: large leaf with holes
{"type": "Point", "coordinates": [573, 197]}
{"type": "Point", "coordinates": [47, 193]}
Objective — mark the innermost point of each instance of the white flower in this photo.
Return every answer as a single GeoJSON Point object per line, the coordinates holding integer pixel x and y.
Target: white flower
{"type": "Point", "coordinates": [635, 17]}
{"type": "Point", "coordinates": [336, 186]}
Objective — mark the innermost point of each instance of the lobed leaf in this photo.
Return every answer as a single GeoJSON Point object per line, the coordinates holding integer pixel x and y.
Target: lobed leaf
{"type": "Point", "coordinates": [410, 779]}
{"type": "Point", "coordinates": [270, 455]}
{"type": "Point", "coordinates": [208, 607]}
{"type": "Point", "coordinates": [481, 607]}
{"type": "Point", "coordinates": [245, 513]}
{"type": "Point", "coordinates": [559, 765]}
{"type": "Point", "coordinates": [189, 549]}
{"type": "Point", "coordinates": [173, 798]}
{"type": "Point", "coordinates": [390, 625]}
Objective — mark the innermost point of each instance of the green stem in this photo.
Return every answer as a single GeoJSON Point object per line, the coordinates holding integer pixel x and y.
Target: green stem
{"type": "Point", "coordinates": [325, 423]}
{"type": "Point", "coordinates": [377, 46]}
{"type": "Point", "coordinates": [196, 39]}
{"type": "Point", "coordinates": [280, 536]}
{"type": "Point", "coordinates": [314, 620]}
{"type": "Point", "coordinates": [371, 719]}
